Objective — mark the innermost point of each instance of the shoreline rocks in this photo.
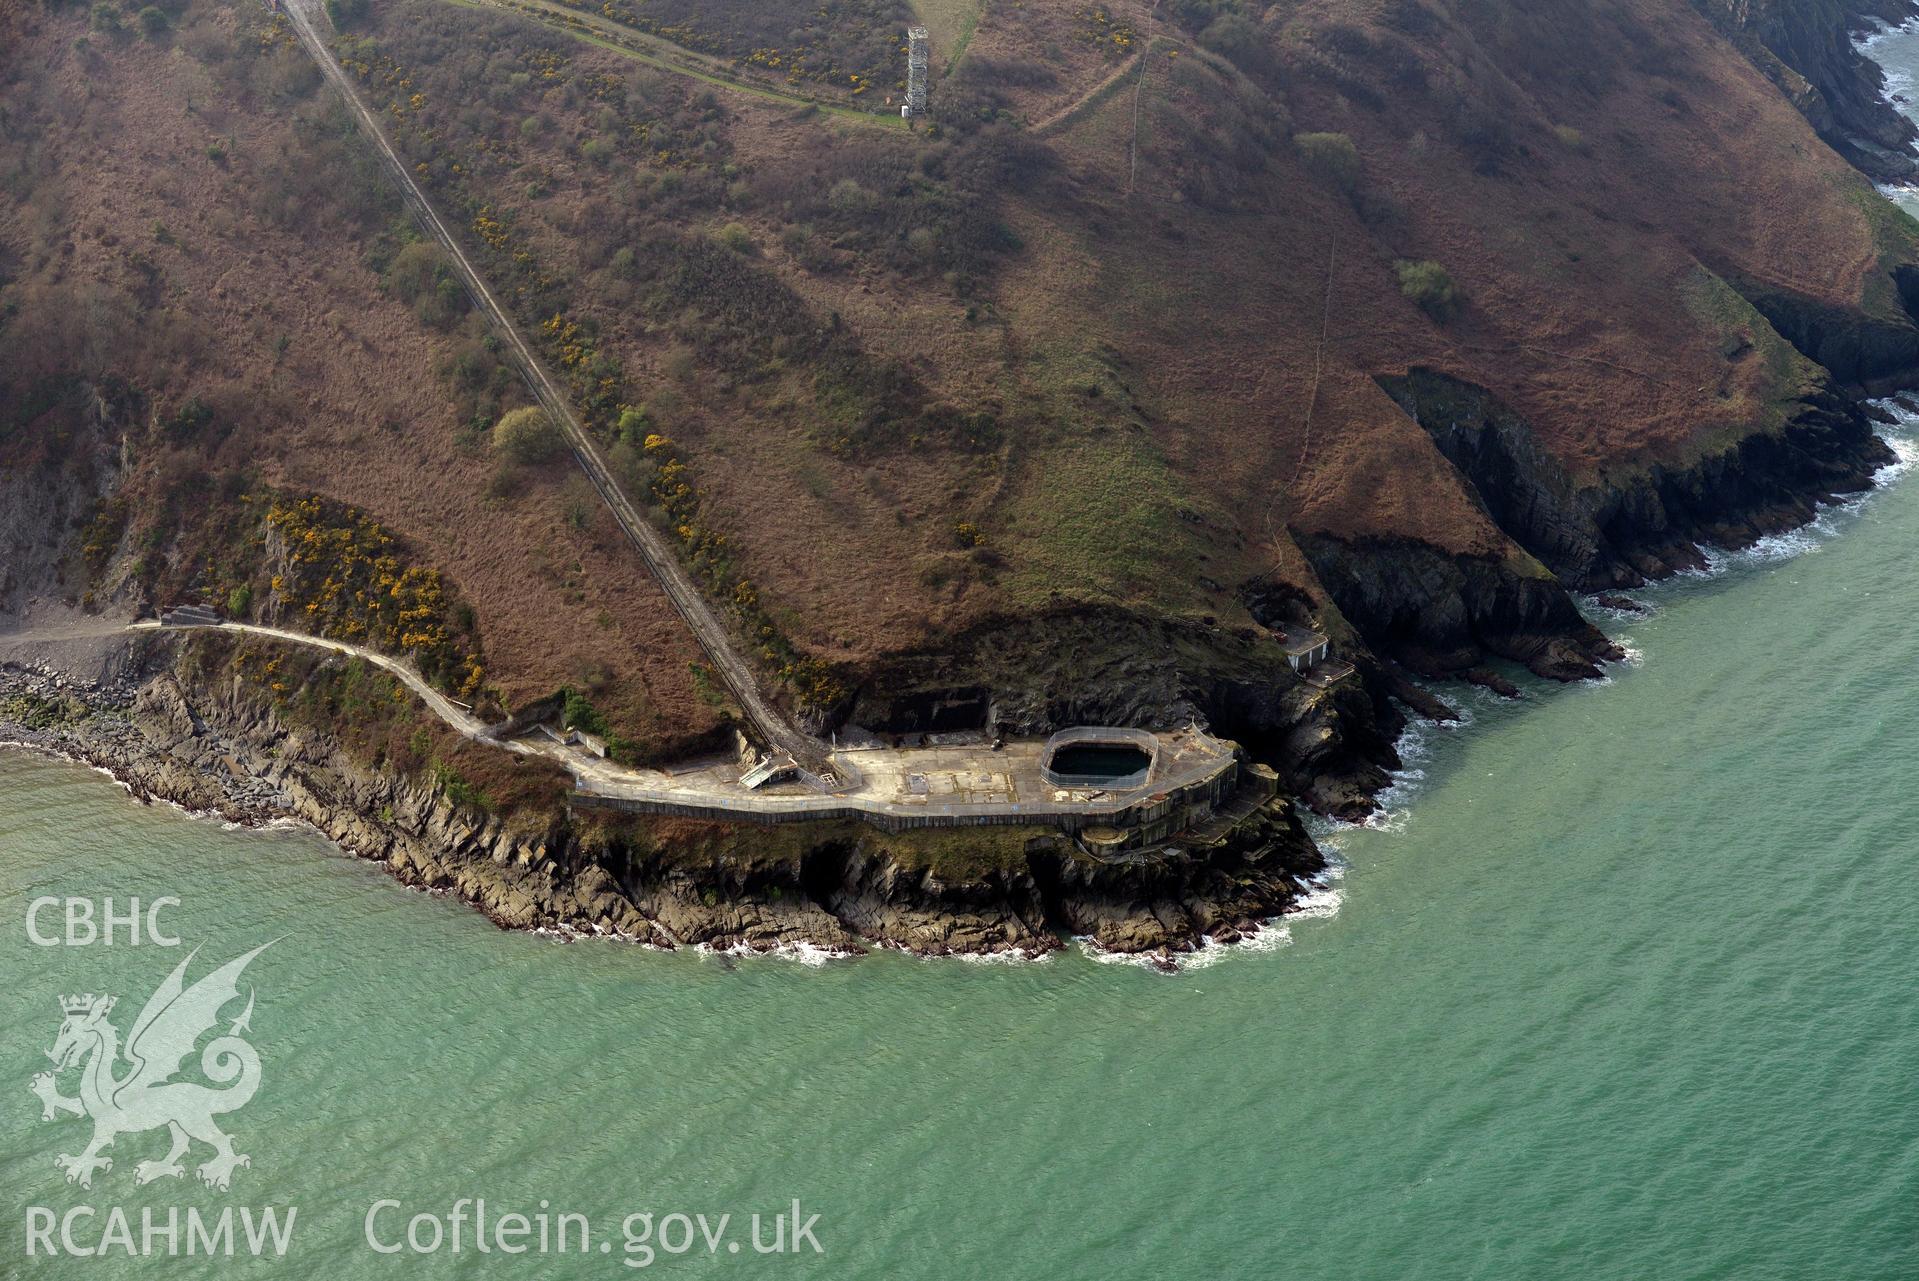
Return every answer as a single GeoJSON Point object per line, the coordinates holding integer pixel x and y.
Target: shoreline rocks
{"type": "Point", "coordinates": [843, 888]}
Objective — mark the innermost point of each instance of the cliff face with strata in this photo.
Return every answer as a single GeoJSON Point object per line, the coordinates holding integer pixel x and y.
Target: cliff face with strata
{"type": "Point", "coordinates": [1610, 535]}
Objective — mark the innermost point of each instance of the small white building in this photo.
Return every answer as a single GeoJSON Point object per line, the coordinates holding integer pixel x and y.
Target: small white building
{"type": "Point", "coordinates": [1304, 649]}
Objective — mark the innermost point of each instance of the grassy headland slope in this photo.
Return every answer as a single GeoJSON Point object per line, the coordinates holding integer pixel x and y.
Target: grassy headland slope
{"type": "Point", "coordinates": [1404, 316]}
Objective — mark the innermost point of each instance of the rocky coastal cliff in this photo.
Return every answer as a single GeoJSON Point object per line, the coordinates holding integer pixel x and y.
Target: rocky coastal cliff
{"type": "Point", "coordinates": [1647, 524]}
{"type": "Point", "coordinates": [221, 747]}
{"type": "Point", "coordinates": [1597, 379]}
{"type": "Point", "coordinates": [1805, 47]}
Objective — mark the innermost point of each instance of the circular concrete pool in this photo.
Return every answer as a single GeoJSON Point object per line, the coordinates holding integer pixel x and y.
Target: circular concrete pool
{"type": "Point", "coordinates": [1115, 759]}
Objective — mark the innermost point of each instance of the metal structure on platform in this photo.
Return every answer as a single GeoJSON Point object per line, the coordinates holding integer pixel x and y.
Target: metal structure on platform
{"type": "Point", "coordinates": [915, 104]}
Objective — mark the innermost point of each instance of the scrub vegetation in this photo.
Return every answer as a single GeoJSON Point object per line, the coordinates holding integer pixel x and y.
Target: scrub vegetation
{"type": "Point", "coordinates": [1102, 335]}
{"type": "Point", "coordinates": [380, 725]}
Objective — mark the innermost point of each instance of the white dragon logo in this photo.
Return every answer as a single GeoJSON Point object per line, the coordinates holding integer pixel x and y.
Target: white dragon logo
{"type": "Point", "coordinates": [144, 1098]}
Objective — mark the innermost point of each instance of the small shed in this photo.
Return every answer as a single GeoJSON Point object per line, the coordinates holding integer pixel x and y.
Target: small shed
{"type": "Point", "coordinates": [1305, 648]}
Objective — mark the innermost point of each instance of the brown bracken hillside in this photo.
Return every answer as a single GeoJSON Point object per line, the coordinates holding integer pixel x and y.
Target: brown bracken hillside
{"type": "Point", "coordinates": [1172, 322]}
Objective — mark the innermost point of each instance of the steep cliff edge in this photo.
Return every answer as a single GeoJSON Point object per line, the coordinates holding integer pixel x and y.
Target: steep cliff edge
{"type": "Point", "coordinates": [1806, 48]}
{"type": "Point", "coordinates": [1620, 531]}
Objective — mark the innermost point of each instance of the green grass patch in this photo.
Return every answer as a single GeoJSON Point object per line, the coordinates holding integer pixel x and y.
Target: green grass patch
{"type": "Point", "coordinates": [1098, 518]}
{"type": "Point", "coordinates": [1895, 235]}
{"type": "Point", "coordinates": [950, 25]}
{"type": "Point", "coordinates": [1718, 306]}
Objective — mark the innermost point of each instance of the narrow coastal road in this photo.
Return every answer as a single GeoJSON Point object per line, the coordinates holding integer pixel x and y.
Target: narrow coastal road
{"type": "Point", "coordinates": [93, 629]}
{"type": "Point", "coordinates": [883, 791]}
{"type": "Point", "coordinates": [586, 772]}
{"type": "Point", "coordinates": [442, 706]}
{"type": "Point", "coordinates": [773, 728]}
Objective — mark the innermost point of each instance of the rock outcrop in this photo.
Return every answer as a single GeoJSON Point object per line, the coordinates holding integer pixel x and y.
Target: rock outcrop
{"type": "Point", "coordinates": [1806, 48]}
{"type": "Point", "coordinates": [1438, 613]}
{"type": "Point", "coordinates": [220, 747]}
{"type": "Point", "coordinates": [1645, 524]}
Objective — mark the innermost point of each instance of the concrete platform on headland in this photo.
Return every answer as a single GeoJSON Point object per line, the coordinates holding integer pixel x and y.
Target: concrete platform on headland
{"type": "Point", "coordinates": [945, 785]}
{"type": "Point", "coordinates": [954, 786]}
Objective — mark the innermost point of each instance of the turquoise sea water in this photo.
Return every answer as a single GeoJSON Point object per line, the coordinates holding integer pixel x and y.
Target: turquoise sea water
{"type": "Point", "coordinates": [1628, 988]}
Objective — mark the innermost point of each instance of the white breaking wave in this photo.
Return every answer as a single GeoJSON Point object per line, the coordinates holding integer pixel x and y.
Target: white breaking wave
{"type": "Point", "coordinates": [810, 954]}
{"type": "Point", "coordinates": [1014, 957]}
{"type": "Point", "coordinates": [1905, 448]}
{"type": "Point", "coordinates": [1593, 606]}
{"type": "Point", "coordinates": [1415, 746]}
{"type": "Point", "coordinates": [1094, 952]}
{"type": "Point", "coordinates": [1831, 520]}
{"type": "Point", "coordinates": [1874, 43]}
{"type": "Point", "coordinates": [1634, 656]}
{"type": "Point", "coordinates": [1325, 897]}
{"type": "Point", "coordinates": [1271, 937]}
{"type": "Point", "coordinates": [1320, 901]}
{"type": "Point", "coordinates": [282, 823]}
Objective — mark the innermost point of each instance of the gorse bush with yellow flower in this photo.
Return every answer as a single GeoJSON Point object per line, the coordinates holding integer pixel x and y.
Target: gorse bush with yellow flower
{"type": "Point", "coordinates": [337, 573]}
{"type": "Point", "coordinates": [812, 681]}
